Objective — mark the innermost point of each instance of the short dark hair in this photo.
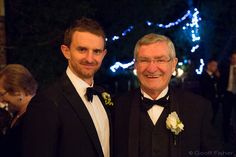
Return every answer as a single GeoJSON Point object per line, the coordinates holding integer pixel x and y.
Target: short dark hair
{"type": "Point", "coordinates": [233, 53]}
{"type": "Point", "coordinates": [83, 25]}
{"type": "Point", "coordinates": [212, 60]}
{"type": "Point", "coordinates": [16, 77]}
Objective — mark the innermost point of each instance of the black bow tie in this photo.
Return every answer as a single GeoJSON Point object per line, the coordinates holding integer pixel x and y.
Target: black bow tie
{"type": "Point", "coordinates": [148, 103]}
{"type": "Point", "coordinates": [90, 92]}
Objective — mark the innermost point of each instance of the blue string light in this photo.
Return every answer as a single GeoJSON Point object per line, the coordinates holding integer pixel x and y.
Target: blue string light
{"type": "Point", "coordinates": [123, 34]}
{"type": "Point", "coordinates": [200, 69]}
{"type": "Point", "coordinates": [118, 64]}
{"type": "Point", "coordinates": [185, 61]}
{"type": "Point", "coordinates": [194, 48]}
{"type": "Point", "coordinates": [171, 24]}
{"type": "Point", "coordinates": [193, 27]}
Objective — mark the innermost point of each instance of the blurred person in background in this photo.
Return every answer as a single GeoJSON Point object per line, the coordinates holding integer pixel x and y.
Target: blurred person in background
{"type": "Point", "coordinates": [228, 90]}
{"type": "Point", "coordinates": [209, 84]}
{"type": "Point", "coordinates": [17, 88]}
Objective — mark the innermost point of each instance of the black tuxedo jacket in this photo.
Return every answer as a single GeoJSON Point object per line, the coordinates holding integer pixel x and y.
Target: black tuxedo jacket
{"type": "Point", "coordinates": [58, 124]}
{"type": "Point", "coordinates": [194, 111]}
{"type": "Point", "coordinates": [209, 87]}
{"type": "Point", "coordinates": [11, 146]}
{"type": "Point", "coordinates": [224, 77]}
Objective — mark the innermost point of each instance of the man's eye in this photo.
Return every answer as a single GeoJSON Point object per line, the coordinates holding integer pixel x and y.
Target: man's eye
{"type": "Point", "coordinates": [97, 52]}
{"type": "Point", "coordinates": [82, 49]}
{"type": "Point", "coordinates": [144, 60]}
{"type": "Point", "coordinates": [160, 60]}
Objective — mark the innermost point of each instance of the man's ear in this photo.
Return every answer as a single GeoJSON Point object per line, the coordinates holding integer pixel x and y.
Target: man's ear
{"type": "Point", "coordinates": [105, 52]}
{"type": "Point", "coordinates": [135, 64]}
{"type": "Point", "coordinates": [174, 64]}
{"type": "Point", "coordinates": [66, 51]}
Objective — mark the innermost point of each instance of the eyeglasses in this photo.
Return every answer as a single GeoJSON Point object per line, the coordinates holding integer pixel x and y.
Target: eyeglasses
{"type": "Point", "coordinates": [3, 93]}
{"type": "Point", "coordinates": [156, 61]}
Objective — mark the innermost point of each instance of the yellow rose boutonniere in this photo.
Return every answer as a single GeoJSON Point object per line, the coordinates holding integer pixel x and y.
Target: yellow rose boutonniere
{"type": "Point", "coordinates": [107, 99]}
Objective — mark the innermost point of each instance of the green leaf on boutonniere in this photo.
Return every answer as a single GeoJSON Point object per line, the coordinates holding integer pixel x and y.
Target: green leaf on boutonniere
{"type": "Point", "coordinates": [107, 98]}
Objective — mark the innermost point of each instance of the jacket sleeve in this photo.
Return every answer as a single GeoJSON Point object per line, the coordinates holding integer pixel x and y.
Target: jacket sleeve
{"type": "Point", "coordinates": [210, 139]}
{"type": "Point", "coordinates": [40, 129]}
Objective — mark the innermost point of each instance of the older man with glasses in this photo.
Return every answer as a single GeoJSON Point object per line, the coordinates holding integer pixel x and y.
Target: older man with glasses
{"type": "Point", "coordinates": [156, 119]}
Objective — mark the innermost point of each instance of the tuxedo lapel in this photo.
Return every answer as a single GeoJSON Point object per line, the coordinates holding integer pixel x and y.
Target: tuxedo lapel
{"type": "Point", "coordinates": [80, 109]}
{"type": "Point", "coordinates": [175, 149]}
{"type": "Point", "coordinates": [134, 126]}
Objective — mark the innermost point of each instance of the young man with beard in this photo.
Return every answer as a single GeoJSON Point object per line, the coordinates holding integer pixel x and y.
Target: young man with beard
{"type": "Point", "coordinates": [67, 120]}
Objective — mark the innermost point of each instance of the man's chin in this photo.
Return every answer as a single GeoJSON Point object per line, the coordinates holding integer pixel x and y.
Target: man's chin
{"type": "Point", "coordinates": [88, 75]}
{"type": "Point", "coordinates": [153, 87]}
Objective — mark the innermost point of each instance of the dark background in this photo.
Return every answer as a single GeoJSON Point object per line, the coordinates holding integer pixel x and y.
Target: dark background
{"type": "Point", "coordinates": [35, 28]}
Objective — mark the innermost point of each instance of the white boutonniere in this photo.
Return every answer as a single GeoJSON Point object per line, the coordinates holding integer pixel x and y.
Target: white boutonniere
{"type": "Point", "coordinates": [107, 99]}
{"type": "Point", "coordinates": [174, 124]}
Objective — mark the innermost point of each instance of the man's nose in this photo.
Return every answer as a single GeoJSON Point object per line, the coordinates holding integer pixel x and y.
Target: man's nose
{"type": "Point", "coordinates": [89, 56]}
{"type": "Point", "coordinates": [152, 66]}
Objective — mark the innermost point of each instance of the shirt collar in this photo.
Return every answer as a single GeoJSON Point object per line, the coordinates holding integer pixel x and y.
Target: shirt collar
{"type": "Point", "coordinates": [162, 94]}
{"type": "Point", "coordinates": [233, 66]}
{"type": "Point", "coordinates": [80, 85]}
{"type": "Point", "coordinates": [209, 72]}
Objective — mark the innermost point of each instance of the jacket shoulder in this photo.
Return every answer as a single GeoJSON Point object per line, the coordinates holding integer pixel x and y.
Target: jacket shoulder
{"type": "Point", "coordinates": [186, 97]}
{"type": "Point", "coordinates": [49, 94]}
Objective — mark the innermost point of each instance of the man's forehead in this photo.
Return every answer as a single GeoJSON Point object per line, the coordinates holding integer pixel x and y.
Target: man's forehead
{"type": "Point", "coordinates": [155, 50]}
{"type": "Point", "coordinates": [154, 56]}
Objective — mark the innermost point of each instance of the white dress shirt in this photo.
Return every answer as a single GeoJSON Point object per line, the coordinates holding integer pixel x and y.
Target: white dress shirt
{"type": "Point", "coordinates": [210, 73]}
{"type": "Point", "coordinates": [96, 111]}
{"type": "Point", "coordinates": [231, 79]}
{"type": "Point", "coordinates": [156, 110]}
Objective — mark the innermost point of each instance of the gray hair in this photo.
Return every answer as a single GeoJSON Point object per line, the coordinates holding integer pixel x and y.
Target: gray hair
{"type": "Point", "coordinates": [154, 38]}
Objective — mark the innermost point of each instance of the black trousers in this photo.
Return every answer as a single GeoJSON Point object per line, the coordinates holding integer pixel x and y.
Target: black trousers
{"type": "Point", "coordinates": [229, 119]}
